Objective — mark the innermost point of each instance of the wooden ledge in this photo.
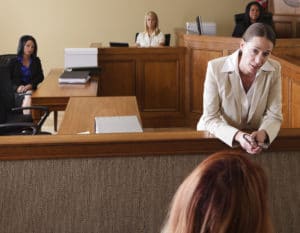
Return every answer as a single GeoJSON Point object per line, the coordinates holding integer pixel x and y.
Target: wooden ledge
{"type": "Point", "coordinates": [133, 144]}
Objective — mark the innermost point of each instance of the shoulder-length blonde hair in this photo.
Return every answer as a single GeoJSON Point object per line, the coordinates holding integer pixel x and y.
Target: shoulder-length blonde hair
{"type": "Point", "coordinates": [226, 193]}
{"type": "Point", "coordinates": [153, 15]}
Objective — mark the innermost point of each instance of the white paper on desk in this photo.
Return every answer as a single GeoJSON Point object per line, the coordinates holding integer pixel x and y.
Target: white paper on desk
{"type": "Point", "coordinates": [117, 124]}
{"type": "Point", "coordinates": [74, 80]}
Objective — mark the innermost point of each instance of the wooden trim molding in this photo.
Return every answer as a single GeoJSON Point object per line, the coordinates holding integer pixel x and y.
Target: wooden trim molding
{"type": "Point", "coordinates": [142, 144]}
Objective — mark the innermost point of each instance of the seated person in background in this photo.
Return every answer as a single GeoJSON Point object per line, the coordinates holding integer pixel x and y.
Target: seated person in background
{"type": "Point", "coordinates": [152, 36]}
{"type": "Point", "coordinates": [26, 71]}
{"type": "Point", "coordinates": [242, 93]}
{"type": "Point", "coordinates": [226, 193]}
{"type": "Point", "coordinates": [253, 14]}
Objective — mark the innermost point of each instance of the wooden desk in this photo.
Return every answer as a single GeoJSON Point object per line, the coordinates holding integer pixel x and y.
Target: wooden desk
{"type": "Point", "coordinates": [55, 96]}
{"type": "Point", "coordinates": [81, 112]}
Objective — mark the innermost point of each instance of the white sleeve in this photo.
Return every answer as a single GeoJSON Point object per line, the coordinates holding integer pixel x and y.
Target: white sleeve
{"type": "Point", "coordinates": [211, 119]}
{"type": "Point", "coordinates": [272, 119]}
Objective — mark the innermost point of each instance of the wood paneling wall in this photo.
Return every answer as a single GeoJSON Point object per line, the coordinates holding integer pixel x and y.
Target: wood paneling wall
{"type": "Point", "coordinates": [154, 75]}
{"type": "Point", "coordinates": [287, 26]}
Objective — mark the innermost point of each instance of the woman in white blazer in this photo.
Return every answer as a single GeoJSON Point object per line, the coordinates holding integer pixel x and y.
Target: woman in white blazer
{"type": "Point", "coordinates": [242, 93]}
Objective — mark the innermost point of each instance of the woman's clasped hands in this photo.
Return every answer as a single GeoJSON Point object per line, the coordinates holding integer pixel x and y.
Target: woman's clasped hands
{"type": "Point", "coordinates": [253, 143]}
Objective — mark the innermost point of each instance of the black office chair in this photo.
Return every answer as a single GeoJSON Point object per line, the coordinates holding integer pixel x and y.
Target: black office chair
{"type": "Point", "coordinates": [167, 38]}
{"type": "Point", "coordinates": [12, 120]}
{"type": "Point", "coordinates": [267, 18]}
{"type": "Point", "coordinates": [5, 58]}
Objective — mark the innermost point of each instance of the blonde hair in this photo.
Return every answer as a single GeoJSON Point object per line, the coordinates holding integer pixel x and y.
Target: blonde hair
{"type": "Point", "coordinates": [153, 15]}
{"type": "Point", "coordinates": [226, 193]}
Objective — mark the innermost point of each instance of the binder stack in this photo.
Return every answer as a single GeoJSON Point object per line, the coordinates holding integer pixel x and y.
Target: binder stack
{"type": "Point", "coordinates": [74, 77]}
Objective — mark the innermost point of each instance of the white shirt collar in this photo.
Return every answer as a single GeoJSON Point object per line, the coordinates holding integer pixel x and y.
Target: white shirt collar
{"type": "Point", "coordinates": [231, 64]}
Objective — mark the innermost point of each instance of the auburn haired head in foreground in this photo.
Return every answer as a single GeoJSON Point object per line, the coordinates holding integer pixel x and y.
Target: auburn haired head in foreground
{"type": "Point", "coordinates": [226, 193]}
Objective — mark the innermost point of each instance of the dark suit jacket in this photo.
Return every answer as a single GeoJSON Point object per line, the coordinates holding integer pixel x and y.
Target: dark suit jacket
{"type": "Point", "coordinates": [37, 74]}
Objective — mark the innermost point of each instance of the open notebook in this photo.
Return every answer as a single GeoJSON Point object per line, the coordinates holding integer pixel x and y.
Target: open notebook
{"type": "Point", "coordinates": [117, 124]}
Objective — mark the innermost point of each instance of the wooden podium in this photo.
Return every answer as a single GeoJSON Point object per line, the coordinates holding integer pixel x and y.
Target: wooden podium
{"type": "Point", "coordinates": [80, 113]}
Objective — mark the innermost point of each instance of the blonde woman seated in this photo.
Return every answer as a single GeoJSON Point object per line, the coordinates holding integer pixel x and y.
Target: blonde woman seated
{"type": "Point", "coordinates": [152, 36]}
{"type": "Point", "coordinates": [226, 193]}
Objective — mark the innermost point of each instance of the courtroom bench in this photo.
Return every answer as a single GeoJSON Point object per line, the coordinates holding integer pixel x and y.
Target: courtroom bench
{"type": "Point", "coordinates": [123, 182]}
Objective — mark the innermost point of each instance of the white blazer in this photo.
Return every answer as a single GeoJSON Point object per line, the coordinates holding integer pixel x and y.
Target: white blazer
{"type": "Point", "coordinates": [222, 111]}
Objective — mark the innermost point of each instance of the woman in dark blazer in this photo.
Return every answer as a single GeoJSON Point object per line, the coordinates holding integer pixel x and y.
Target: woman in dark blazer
{"type": "Point", "coordinates": [26, 70]}
{"type": "Point", "coordinates": [253, 14]}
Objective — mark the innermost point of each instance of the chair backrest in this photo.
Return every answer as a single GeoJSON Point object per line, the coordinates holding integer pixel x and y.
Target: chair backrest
{"type": "Point", "coordinates": [5, 58]}
{"type": "Point", "coordinates": [167, 38]}
{"type": "Point", "coordinates": [136, 35]}
{"type": "Point", "coordinates": [6, 89]}
{"type": "Point", "coordinates": [7, 99]}
{"type": "Point", "coordinates": [267, 18]}
{"type": "Point", "coordinates": [3, 116]}
{"type": "Point", "coordinates": [238, 18]}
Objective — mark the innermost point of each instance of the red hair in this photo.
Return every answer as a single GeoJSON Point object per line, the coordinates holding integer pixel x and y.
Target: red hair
{"type": "Point", "coordinates": [226, 193]}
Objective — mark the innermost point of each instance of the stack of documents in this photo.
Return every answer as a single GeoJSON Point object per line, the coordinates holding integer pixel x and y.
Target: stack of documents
{"type": "Point", "coordinates": [201, 28]}
{"type": "Point", "coordinates": [74, 77]}
{"type": "Point", "coordinates": [117, 124]}
{"type": "Point", "coordinates": [209, 28]}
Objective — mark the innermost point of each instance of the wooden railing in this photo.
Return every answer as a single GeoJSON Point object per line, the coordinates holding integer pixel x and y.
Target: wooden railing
{"type": "Point", "coordinates": [126, 144]}
{"type": "Point", "coordinates": [123, 182]}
